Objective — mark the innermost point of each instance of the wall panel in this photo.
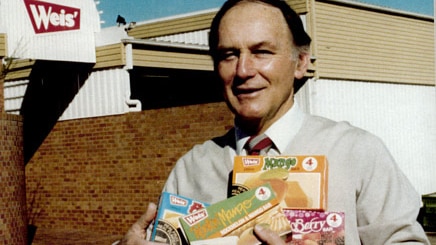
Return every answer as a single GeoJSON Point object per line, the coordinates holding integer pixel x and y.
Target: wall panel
{"type": "Point", "coordinates": [110, 56]}
{"type": "Point", "coordinates": [3, 47]}
{"type": "Point", "coordinates": [167, 59]}
{"type": "Point", "coordinates": [359, 44]}
{"type": "Point", "coordinates": [104, 93]}
{"type": "Point", "coordinates": [403, 116]}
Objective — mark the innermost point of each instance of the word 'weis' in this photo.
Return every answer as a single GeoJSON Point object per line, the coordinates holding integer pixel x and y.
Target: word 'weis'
{"type": "Point", "coordinates": [48, 17]}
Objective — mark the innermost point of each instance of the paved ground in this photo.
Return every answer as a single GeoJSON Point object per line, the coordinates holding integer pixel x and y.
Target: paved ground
{"type": "Point", "coordinates": [50, 237]}
{"type": "Point", "coordinates": [58, 237]}
{"type": "Point", "coordinates": [432, 237]}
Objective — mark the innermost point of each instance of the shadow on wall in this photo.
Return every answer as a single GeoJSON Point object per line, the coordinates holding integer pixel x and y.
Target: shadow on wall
{"type": "Point", "coordinates": [33, 210]}
{"type": "Point", "coordinates": [52, 86]}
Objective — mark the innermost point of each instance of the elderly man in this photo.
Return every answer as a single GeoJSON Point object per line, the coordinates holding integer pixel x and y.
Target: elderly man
{"type": "Point", "coordinates": [260, 49]}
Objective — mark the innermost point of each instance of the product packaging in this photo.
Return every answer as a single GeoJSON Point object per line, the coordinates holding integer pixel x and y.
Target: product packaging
{"type": "Point", "coordinates": [234, 218]}
{"type": "Point", "coordinates": [311, 227]}
{"type": "Point", "coordinates": [300, 182]}
{"type": "Point", "coordinates": [167, 227]}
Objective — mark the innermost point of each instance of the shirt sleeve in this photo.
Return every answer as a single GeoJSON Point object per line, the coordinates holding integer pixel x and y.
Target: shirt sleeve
{"type": "Point", "coordinates": [387, 204]}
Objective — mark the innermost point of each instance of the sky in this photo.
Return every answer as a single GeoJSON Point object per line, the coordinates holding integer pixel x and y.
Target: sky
{"type": "Point", "coordinates": [143, 10]}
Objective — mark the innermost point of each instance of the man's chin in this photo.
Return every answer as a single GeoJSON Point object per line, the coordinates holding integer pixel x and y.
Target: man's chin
{"type": "Point", "coordinates": [248, 122]}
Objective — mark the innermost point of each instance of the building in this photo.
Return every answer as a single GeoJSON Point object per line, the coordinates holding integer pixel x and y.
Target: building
{"type": "Point", "coordinates": [95, 118]}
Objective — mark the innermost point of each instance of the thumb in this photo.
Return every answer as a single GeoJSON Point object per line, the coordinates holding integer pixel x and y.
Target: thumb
{"type": "Point", "coordinates": [266, 235]}
{"type": "Point", "coordinates": [139, 228]}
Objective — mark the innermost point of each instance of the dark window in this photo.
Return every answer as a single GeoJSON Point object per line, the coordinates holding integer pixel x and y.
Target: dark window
{"type": "Point", "coordinates": [161, 88]}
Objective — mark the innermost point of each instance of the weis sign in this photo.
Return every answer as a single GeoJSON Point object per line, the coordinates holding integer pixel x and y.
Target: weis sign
{"type": "Point", "coordinates": [48, 17]}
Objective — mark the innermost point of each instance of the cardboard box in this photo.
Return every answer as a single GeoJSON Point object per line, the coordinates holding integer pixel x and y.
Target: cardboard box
{"type": "Point", "coordinates": [316, 227]}
{"type": "Point", "coordinates": [235, 216]}
{"type": "Point", "coordinates": [300, 182]}
{"type": "Point", "coordinates": [167, 227]}
{"type": "Point", "coordinates": [228, 240]}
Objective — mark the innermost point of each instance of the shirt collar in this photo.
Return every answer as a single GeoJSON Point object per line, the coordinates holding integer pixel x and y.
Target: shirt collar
{"type": "Point", "coordinates": [281, 132]}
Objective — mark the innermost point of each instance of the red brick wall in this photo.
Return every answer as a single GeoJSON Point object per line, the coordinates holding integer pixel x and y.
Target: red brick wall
{"type": "Point", "coordinates": [13, 222]}
{"type": "Point", "coordinates": [100, 173]}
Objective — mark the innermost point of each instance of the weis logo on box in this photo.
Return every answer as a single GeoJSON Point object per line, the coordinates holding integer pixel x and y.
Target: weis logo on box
{"type": "Point", "coordinates": [196, 217]}
{"type": "Point", "coordinates": [247, 161]}
{"type": "Point", "coordinates": [174, 200]}
{"type": "Point", "coordinates": [49, 17]}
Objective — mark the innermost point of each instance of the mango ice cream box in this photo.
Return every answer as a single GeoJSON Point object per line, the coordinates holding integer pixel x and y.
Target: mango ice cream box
{"type": "Point", "coordinates": [235, 217]}
{"type": "Point", "coordinates": [300, 182]}
{"type": "Point", "coordinates": [167, 227]}
{"type": "Point", "coordinates": [316, 227]}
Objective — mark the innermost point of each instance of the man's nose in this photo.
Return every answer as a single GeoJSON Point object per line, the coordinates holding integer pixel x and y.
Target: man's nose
{"type": "Point", "coordinates": [245, 66]}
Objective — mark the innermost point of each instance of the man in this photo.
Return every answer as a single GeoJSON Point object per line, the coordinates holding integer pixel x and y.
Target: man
{"type": "Point", "coordinates": [259, 48]}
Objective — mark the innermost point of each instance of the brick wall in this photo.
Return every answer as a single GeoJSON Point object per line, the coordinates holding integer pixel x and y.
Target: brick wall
{"type": "Point", "coordinates": [100, 173]}
{"type": "Point", "coordinates": [13, 223]}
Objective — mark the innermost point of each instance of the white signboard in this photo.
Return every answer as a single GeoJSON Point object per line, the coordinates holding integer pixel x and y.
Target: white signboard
{"type": "Point", "coordinates": [61, 30]}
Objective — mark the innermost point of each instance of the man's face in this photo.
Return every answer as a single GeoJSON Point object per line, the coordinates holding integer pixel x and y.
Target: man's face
{"type": "Point", "coordinates": [257, 63]}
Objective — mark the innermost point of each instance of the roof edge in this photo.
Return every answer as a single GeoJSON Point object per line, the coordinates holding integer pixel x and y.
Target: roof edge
{"type": "Point", "coordinates": [166, 44]}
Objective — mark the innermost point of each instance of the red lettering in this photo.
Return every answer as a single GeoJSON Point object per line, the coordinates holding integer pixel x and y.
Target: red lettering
{"type": "Point", "coordinates": [48, 17]}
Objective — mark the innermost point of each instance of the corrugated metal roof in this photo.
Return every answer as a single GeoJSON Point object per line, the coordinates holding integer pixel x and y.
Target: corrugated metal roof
{"type": "Point", "coordinates": [178, 16]}
{"type": "Point", "coordinates": [13, 94]}
{"type": "Point", "coordinates": [195, 38]}
{"type": "Point", "coordinates": [106, 92]}
{"type": "Point", "coordinates": [386, 9]}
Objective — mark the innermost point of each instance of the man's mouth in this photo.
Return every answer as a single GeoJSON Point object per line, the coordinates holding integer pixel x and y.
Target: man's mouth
{"type": "Point", "coordinates": [245, 91]}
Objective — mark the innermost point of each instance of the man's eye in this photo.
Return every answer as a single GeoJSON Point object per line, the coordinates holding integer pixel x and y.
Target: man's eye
{"type": "Point", "coordinates": [262, 52]}
{"type": "Point", "coordinates": [228, 55]}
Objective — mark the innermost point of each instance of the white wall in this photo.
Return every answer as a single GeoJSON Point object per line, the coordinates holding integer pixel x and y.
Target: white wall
{"type": "Point", "coordinates": [106, 92]}
{"type": "Point", "coordinates": [403, 116]}
{"type": "Point", "coordinates": [69, 44]}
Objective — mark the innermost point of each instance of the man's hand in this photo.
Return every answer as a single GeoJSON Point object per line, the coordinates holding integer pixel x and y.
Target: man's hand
{"type": "Point", "coordinates": [266, 236]}
{"type": "Point", "coordinates": [138, 231]}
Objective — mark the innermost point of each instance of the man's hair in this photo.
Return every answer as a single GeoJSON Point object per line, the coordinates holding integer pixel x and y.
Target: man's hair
{"type": "Point", "coordinates": [301, 39]}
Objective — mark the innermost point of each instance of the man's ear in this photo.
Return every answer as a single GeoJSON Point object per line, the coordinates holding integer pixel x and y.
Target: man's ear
{"type": "Point", "coordinates": [302, 64]}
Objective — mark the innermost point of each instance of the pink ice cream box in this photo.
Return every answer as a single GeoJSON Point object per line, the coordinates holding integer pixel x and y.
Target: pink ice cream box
{"type": "Point", "coordinates": [316, 227]}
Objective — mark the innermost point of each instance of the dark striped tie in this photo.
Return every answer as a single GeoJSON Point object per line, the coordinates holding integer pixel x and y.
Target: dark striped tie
{"type": "Point", "coordinates": [255, 144]}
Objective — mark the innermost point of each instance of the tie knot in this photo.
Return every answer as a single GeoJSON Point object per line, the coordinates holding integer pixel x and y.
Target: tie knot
{"type": "Point", "coordinates": [256, 144]}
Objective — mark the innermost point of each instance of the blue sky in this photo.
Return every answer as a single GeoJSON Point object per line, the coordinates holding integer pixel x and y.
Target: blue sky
{"type": "Point", "coordinates": [141, 10]}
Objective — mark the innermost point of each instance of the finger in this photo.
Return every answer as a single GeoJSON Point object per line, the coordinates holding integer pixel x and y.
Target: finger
{"type": "Point", "coordinates": [146, 219]}
{"type": "Point", "coordinates": [266, 236]}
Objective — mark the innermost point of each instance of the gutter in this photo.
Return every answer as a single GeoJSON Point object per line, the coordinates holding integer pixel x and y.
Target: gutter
{"type": "Point", "coordinates": [166, 44]}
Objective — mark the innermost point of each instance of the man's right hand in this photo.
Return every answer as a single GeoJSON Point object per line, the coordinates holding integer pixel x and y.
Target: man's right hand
{"type": "Point", "coordinates": [269, 237]}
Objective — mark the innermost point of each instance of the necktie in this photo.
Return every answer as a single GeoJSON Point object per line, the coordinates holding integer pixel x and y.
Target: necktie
{"type": "Point", "coordinates": [256, 144]}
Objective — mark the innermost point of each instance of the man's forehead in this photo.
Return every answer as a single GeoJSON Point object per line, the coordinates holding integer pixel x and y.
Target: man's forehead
{"type": "Point", "coordinates": [251, 28]}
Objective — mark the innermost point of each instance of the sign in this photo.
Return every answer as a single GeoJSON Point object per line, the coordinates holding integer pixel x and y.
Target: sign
{"type": "Point", "coordinates": [50, 17]}
{"type": "Point", "coordinates": [57, 30]}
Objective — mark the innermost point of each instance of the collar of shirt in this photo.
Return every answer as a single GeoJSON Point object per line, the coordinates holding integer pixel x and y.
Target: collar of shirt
{"type": "Point", "coordinates": [281, 132]}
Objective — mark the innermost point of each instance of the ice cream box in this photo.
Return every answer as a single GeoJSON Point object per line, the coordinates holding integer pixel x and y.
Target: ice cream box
{"type": "Point", "coordinates": [236, 217]}
{"type": "Point", "coordinates": [228, 240]}
{"type": "Point", "coordinates": [300, 182]}
{"type": "Point", "coordinates": [316, 227]}
{"type": "Point", "coordinates": [167, 227]}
